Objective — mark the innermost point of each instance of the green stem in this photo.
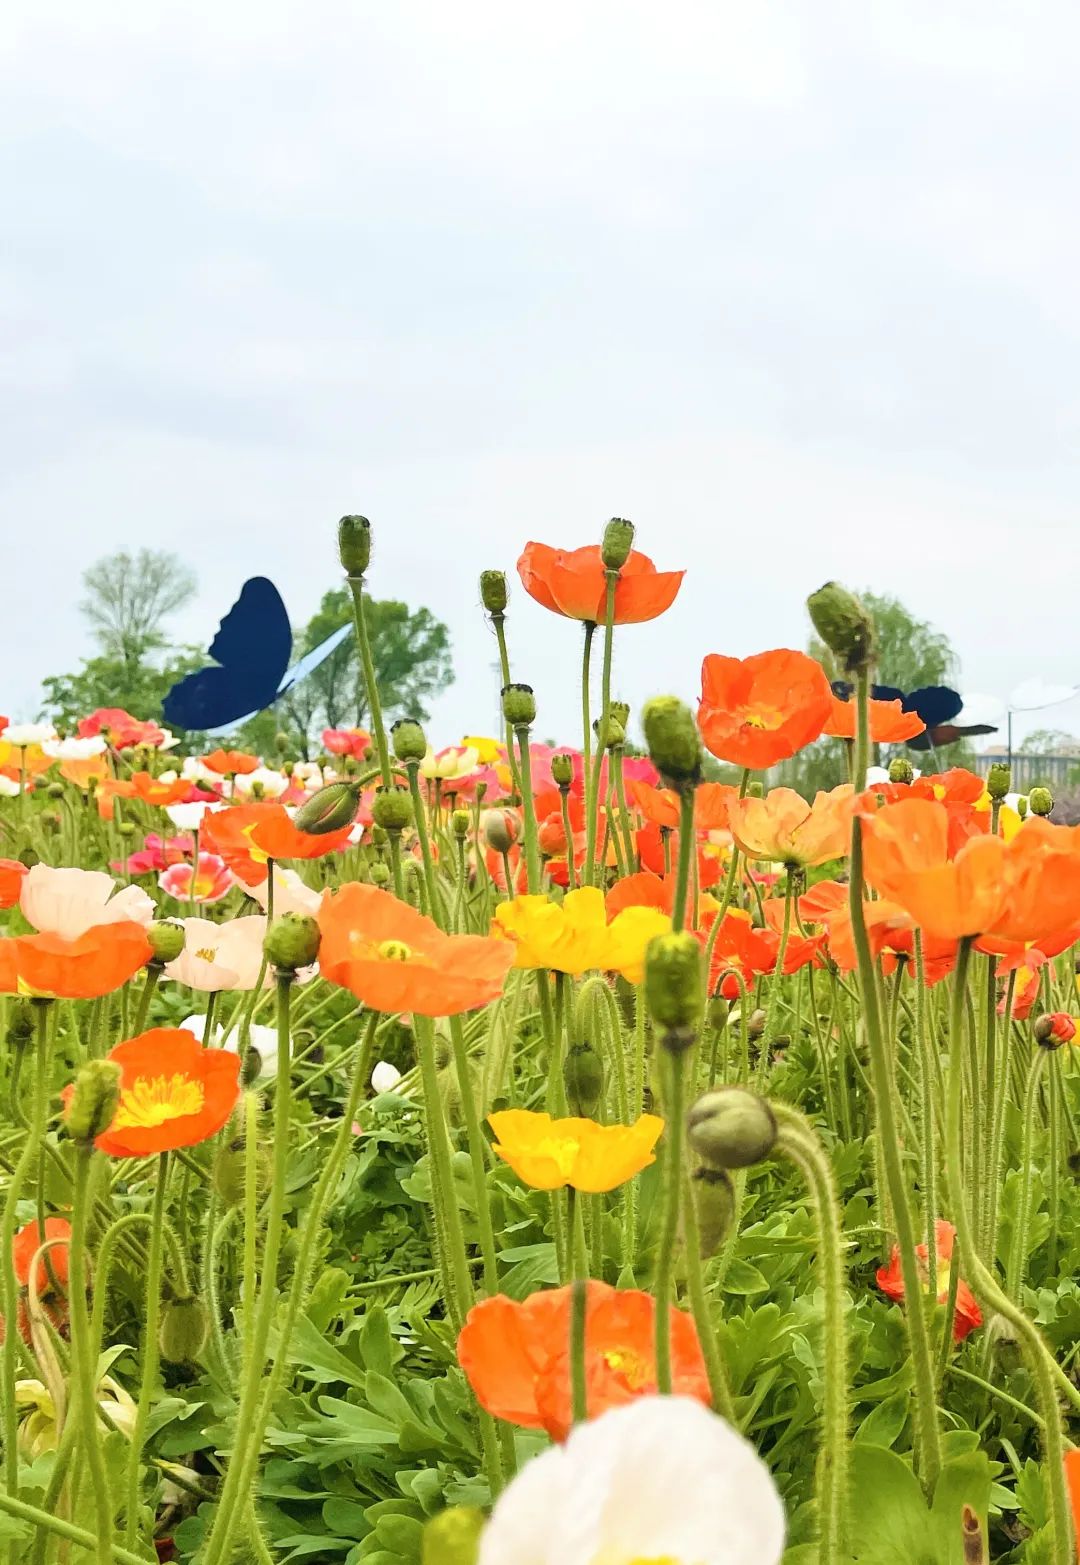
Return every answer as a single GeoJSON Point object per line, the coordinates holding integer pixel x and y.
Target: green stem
{"type": "Point", "coordinates": [686, 850]}
{"type": "Point", "coordinates": [11, 1506]}
{"type": "Point", "coordinates": [154, 971]}
{"type": "Point", "coordinates": [84, 1359]}
{"type": "Point", "coordinates": [151, 1352]}
{"type": "Point", "coordinates": [1018, 1253]}
{"type": "Point", "coordinates": [578, 1303]}
{"type": "Point", "coordinates": [673, 1051]}
{"type": "Point", "coordinates": [435, 906]}
{"type": "Point", "coordinates": [477, 1145]}
{"type": "Point", "coordinates": [371, 684]}
{"type": "Point", "coordinates": [586, 752]}
{"type": "Point", "coordinates": [719, 1389]}
{"type": "Point", "coordinates": [528, 808]}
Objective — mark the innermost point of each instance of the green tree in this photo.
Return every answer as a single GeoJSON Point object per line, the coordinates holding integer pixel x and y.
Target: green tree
{"type": "Point", "coordinates": [108, 681]}
{"type": "Point", "coordinates": [1049, 741]}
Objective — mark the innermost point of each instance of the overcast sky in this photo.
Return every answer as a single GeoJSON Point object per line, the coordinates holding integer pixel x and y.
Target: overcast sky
{"type": "Point", "coordinates": [794, 287]}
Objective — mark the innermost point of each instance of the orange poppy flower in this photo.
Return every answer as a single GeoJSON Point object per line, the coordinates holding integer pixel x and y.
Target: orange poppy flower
{"type": "Point", "coordinates": [573, 582]}
{"type": "Point", "coordinates": [91, 769]}
{"type": "Point", "coordinates": [147, 789]}
{"type": "Point", "coordinates": [1072, 1478]}
{"type": "Point", "coordinates": [230, 763]}
{"type": "Point", "coordinates": [759, 710]}
{"type": "Point", "coordinates": [96, 963]}
{"type": "Point", "coordinates": [783, 827]}
{"type": "Point", "coordinates": [890, 1280]}
{"type": "Point", "coordinates": [818, 904]}
{"type": "Point", "coordinates": [11, 879]}
{"type": "Point", "coordinates": [28, 1241]}
{"type": "Point", "coordinates": [754, 951]}
{"type": "Point", "coordinates": [394, 959]}
{"type": "Point", "coordinates": [248, 836]}
{"type": "Point", "coordinates": [889, 723]}
{"type": "Point", "coordinates": [173, 1093]}
{"type": "Point", "coordinates": [516, 1355]}
{"type": "Point", "coordinates": [550, 1154]}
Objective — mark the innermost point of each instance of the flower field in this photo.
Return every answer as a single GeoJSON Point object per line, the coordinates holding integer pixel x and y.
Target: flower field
{"type": "Point", "coordinates": [514, 1155]}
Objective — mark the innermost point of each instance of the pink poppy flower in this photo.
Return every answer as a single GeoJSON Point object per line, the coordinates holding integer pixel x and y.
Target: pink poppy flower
{"type": "Point", "coordinates": [211, 881]}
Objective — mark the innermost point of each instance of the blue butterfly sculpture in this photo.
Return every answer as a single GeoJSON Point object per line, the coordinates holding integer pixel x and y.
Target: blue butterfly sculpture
{"type": "Point", "coordinates": [250, 671]}
{"type": "Point", "coordinates": [937, 705]}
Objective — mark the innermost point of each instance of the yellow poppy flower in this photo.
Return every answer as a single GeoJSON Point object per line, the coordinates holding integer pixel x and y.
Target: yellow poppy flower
{"type": "Point", "coordinates": [574, 936]}
{"type": "Point", "coordinates": [550, 1153]}
{"type": "Point", "coordinates": [488, 750]}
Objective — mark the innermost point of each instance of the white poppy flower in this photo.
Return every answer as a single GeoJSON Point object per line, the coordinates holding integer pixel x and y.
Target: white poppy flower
{"type": "Point", "coordinates": [220, 956]}
{"type": "Point", "coordinates": [8, 788]}
{"type": "Point", "coordinates": [291, 895]}
{"type": "Point", "coordinates": [168, 740]}
{"type": "Point", "coordinates": [74, 749]}
{"type": "Point", "coordinates": [262, 782]}
{"type": "Point", "coordinates": [262, 1039]}
{"type": "Point", "coordinates": [660, 1479]}
{"type": "Point", "coordinates": [68, 902]}
{"type": "Point", "coordinates": [21, 734]}
{"type": "Point", "coordinates": [189, 817]}
{"type": "Point", "coordinates": [385, 1077]}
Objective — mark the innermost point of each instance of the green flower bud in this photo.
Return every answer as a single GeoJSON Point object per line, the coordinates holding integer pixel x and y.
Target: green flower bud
{"type": "Point", "coordinates": [166, 940]}
{"type": "Point", "coordinates": [674, 986]}
{"type": "Point", "coordinates": [901, 770]}
{"type": "Point", "coordinates": [354, 544]}
{"type": "Point", "coordinates": [258, 792]}
{"type": "Point", "coordinates": [392, 808]}
{"type": "Point", "coordinates": [55, 790]}
{"type": "Point", "coordinates": [126, 828]}
{"type": "Point", "coordinates": [1040, 801]}
{"type": "Point", "coordinates": [410, 742]}
{"type": "Point", "coordinates": [843, 625]}
{"type": "Point", "coordinates": [614, 733]}
{"type": "Point", "coordinates": [731, 1127]}
{"type": "Point", "coordinates": [998, 780]}
{"type": "Point", "coordinates": [718, 1012]}
{"type": "Point", "coordinates": [562, 769]}
{"type": "Point", "coordinates": [50, 823]}
{"type": "Point", "coordinates": [714, 1203]}
{"type": "Point", "coordinates": [282, 743]}
{"type": "Point", "coordinates": [1022, 806]}
{"type": "Point", "coordinates": [620, 711]}
{"type": "Point", "coordinates": [94, 1098]}
{"type": "Point", "coordinates": [519, 705]}
{"type": "Point", "coordinates": [329, 809]}
{"type": "Point", "coordinates": [493, 593]}
{"type": "Point", "coordinates": [230, 1172]}
{"type": "Point", "coordinates": [500, 830]}
{"type": "Point", "coordinates": [292, 941]}
{"type": "Point", "coordinates": [21, 1028]}
{"type": "Point", "coordinates": [755, 790]}
{"type": "Point", "coordinates": [459, 824]}
{"type": "Point", "coordinates": [673, 741]}
{"type": "Point", "coordinates": [583, 1075]}
{"type": "Point", "coordinates": [185, 1328]}
{"type": "Point", "coordinates": [453, 1538]}
{"type": "Point", "coordinates": [379, 875]}
{"type": "Point", "coordinates": [618, 541]}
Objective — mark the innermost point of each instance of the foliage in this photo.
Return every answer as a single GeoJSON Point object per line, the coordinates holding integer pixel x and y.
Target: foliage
{"type": "Point", "coordinates": [129, 596]}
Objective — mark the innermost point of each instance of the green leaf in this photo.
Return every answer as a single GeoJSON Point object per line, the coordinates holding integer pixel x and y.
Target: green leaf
{"type": "Point", "coordinates": [316, 1358]}
{"type": "Point", "coordinates": [882, 1427]}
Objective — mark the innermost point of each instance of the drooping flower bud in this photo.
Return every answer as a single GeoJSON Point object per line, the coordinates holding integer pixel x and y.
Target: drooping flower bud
{"type": "Point", "coordinates": [843, 625]}
{"type": "Point", "coordinates": [354, 544]}
{"type": "Point", "coordinates": [500, 830]}
{"type": "Point", "coordinates": [185, 1327]}
{"type": "Point", "coordinates": [618, 541]}
{"type": "Point", "coordinates": [410, 742]}
{"type": "Point", "coordinates": [583, 1075]}
{"type": "Point", "coordinates": [998, 780]}
{"type": "Point", "coordinates": [714, 1202]}
{"type": "Point", "coordinates": [453, 1538]}
{"type": "Point", "coordinates": [674, 986]}
{"type": "Point", "coordinates": [330, 808]}
{"type": "Point", "coordinates": [519, 705]}
{"type": "Point", "coordinates": [392, 808]}
{"type": "Point", "coordinates": [292, 941]}
{"type": "Point", "coordinates": [20, 1028]}
{"type": "Point", "coordinates": [166, 940]}
{"type": "Point", "coordinates": [901, 770]}
{"type": "Point", "coordinates": [731, 1127]}
{"type": "Point", "coordinates": [718, 1010]}
{"type": "Point", "coordinates": [755, 1027]}
{"type": "Point", "coordinates": [493, 594]}
{"type": "Point", "coordinates": [1054, 1029]}
{"type": "Point", "coordinates": [1040, 801]}
{"type": "Point", "coordinates": [94, 1097]}
{"type": "Point", "coordinates": [230, 1171]}
{"type": "Point", "coordinates": [673, 741]}
{"type": "Point", "coordinates": [562, 769]}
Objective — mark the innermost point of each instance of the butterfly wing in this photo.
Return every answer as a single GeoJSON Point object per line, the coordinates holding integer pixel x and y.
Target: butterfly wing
{"type": "Point", "coordinates": [311, 660]}
{"type": "Point", "coordinates": [252, 647]}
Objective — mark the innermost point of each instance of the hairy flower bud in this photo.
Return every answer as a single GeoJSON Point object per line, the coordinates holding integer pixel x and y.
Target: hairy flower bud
{"type": "Point", "coordinates": [901, 770]}
{"type": "Point", "coordinates": [185, 1328]}
{"type": "Point", "coordinates": [166, 940]}
{"type": "Point", "coordinates": [583, 1075]}
{"type": "Point", "coordinates": [20, 1028]}
{"type": "Point", "coordinates": [230, 1171]}
{"type": "Point", "coordinates": [460, 822]}
{"type": "Point", "coordinates": [331, 808]}
{"type": "Point", "coordinates": [614, 733]}
{"type": "Point", "coordinates": [673, 741]}
{"type": "Point", "coordinates": [1054, 1029]}
{"type": "Point", "coordinates": [55, 790]}
{"type": "Point", "coordinates": [392, 808]}
{"type": "Point", "coordinates": [674, 987]}
{"type": "Point", "coordinates": [379, 875]}
{"type": "Point", "coordinates": [714, 1203]}
{"type": "Point", "coordinates": [292, 941]}
{"type": "Point", "coordinates": [453, 1537]}
{"type": "Point", "coordinates": [998, 780]}
{"type": "Point", "coordinates": [93, 1100]}
{"type": "Point", "coordinates": [410, 742]}
{"type": "Point", "coordinates": [731, 1127]}
{"type": "Point", "coordinates": [519, 705]}
{"type": "Point", "coordinates": [618, 541]}
{"type": "Point", "coordinates": [354, 544]}
{"type": "Point", "coordinates": [493, 593]}
{"type": "Point", "coordinates": [843, 625]}
{"type": "Point", "coordinates": [620, 711]}
{"type": "Point", "coordinates": [500, 830]}
{"type": "Point", "coordinates": [1040, 801]}
{"type": "Point", "coordinates": [562, 769]}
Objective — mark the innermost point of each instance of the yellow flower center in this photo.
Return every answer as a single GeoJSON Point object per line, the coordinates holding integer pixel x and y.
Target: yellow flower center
{"type": "Point", "coordinates": [763, 717]}
{"type": "Point", "coordinates": [152, 1100]}
{"type": "Point", "coordinates": [631, 1366]}
{"type": "Point", "coordinates": [207, 953]}
{"type": "Point", "coordinates": [562, 1150]}
{"type": "Point", "coordinates": [395, 951]}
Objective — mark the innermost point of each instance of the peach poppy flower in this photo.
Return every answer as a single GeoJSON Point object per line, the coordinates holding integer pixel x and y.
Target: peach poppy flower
{"type": "Point", "coordinates": [573, 582]}
{"type": "Point", "coordinates": [220, 956]}
{"type": "Point", "coordinates": [346, 741]}
{"type": "Point", "coordinates": [123, 731]}
{"type": "Point", "coordinates": [550, 1154]}
{"type": "Point", "coordinates": [394, 959]}
{"type": "Point", "coordinates": [889, 723]}
{"type": "Point", "coordinates": [69, 902]}
{"type": "Point", "coordinates": [783, 828]}
{"type": "Point", "coordinates": [759, 710]}
{"type": "Point", "coordinates": [173, 1093]}
{"type": "Point", "coordinates": [516, 1355]}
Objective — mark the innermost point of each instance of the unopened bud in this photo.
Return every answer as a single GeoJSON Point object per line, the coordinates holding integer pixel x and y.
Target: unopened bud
{"type": "Point", "coordinates": [1054, 1029]}
{"type": "Point", "coordinates": [901, 770]}
{"type": "Point", "coordinates": [519, 705]}
{"type": "Point", "coordinates": [618, 541]}
{"type": "Point", "coordinates": [93, 1100]}
{"type": "Point", "coordinates": [755, 789]}
{"type": "Point", "coordinates": [185, 1328]}
{"type": "Point", "coordinates": [20, 1028]}
{"type": "Point", "coordinates": [674, 990]}
{"type": "Point", "coordinates": [392, 808]}
{"type": "Point", "coordinates": [1040, 801]}
{"type": "Point", "coordinates": [583, 1075]}
{"type": "Point", "coordinates": [1022, 806]}
{"type": "Point", "coordinates": [282, 742]}
{"type": "Point", "coordinates": [379, 875]}
{"type": "Point", "coordinates": [354, 544]}
{"type": "Point", "coordinates": [673, 741]}
{"type": "Point", "coordinates": [453, 1538]}
{"type": "Point", "coordinates": [718, 1009]}
{"type": "Point", "coordinates": [714, 1202]}
{"type": "Point", "coordinates": [500, 830]}
{"type": "Point", "coordinates": [843, 625]}
{"type": "Point", "coordinates": [55, 790]}
{"type": "Point", "coordinates": [230, 1171]}
{"type": "Point", "coordinates": [331, 808]}
{"type": "Point", "coordinates": [998, 780]}
{"type": "Point", "coordinates": [562, 769]}
{"type": "Point", "coordinates": [292, 941]}
{"type": "Point", "coordinates": [731, 1127]}
{"type": "Point", "coordinates": [493, 591]}
{"type": "Point", "coordinates": [459, 824]}
{"type": "Point", "coordinates": [755, 1027]}
{"type": "Point", "coordinates": [166, 940]}
{"type": "Point", "coordinates": [614, 734]}
{"type": "Point", "coordinates": [126, 828]}
{"type": "Point", "coordinates": [410, 742]}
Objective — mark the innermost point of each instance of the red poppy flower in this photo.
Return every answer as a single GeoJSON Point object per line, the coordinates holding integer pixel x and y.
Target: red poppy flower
{"type": "Point", "coordinates": [230, 763]}
{"type": "Point", "coordinates": [759, 710]}
{"type": "Point", "coordinates": [516, 1355]}
{"type": "Point", "coordinates": [98, 962]}
{"type": "Point", "coordinates": [248, 836]}
{"type": "Point", "coordinates": [11, 879]}
{"type": "Point", "coordinates": [122, 730]}
{"type": "Point", "coordinates": [346, 741]}
{"type": "Point", "coordinates": [173, 1093]}
{"type": "Point", "coordinates": [755, 951]}
{"type": "Point", "coordinates": [650, 851]}
{"type": "Point", "coordinates": [889, 723]}
{"type": "Point", "coordinates": [573, 582]}
{"type": "Point", "coordinates": [29, 1240]}
{"type": "Point", "coordinates": [890, 1280]}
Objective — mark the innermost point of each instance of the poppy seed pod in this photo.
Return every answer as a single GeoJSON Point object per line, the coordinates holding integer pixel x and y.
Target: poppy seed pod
{"type": "Point", "coordinates": [354, 544]}
{"type": "Point", "coordinates": [94, 1099]}
{"type": "Point", "coordinates": [614, 733]}
{"type": "Point", "coordinates": [731, 1128]}
{"type": "Point", "coordinates": [410, 742]}
{"type": "Point", "coordinates": [714, 1204]}
{"type": "Point", "coordinates": [185, 1327]}
{"type": "Point", "coordinates": [673, 985]}
{"type": "Point", "coordinates": [519, 705]}
{"type": "Point", "coordinates": [620, 711]}
{"type": "Point", "coordinates": [392, 808]}
{"type": "Point", "coordinates": [379, 875]}
{"type": "Point", "coordinates": [901, 771]}
{"type": "Point", "coordinates": [166, 940]}
{"type": "Point", "coordinates": [459, 824]}
{"type": "Point", "coordinates": [453, 1537]}
{"type": "Point", "coordinates": [562, 769]}
{"type": "Point", "coordinates": [617, 544]}
{"type": "Point", "coordinates": [843, 625]}
{"type": "Point", "coordinates": [673, 741]}
{"type": "Point", "coordinates": [329, 809]}
{"type": "Point", "coordinates": [500, 830]}
{"type": "Point", "coordinates": [998, 780]}
{"type": "Point", "coordinates": [292, 941]}
{"type": "Point", "coordinates": [493, 594]}
{"type": "Point", "coordinates": [1040, 801]}
{"type": "Point", "coordinates": [583, 1075]}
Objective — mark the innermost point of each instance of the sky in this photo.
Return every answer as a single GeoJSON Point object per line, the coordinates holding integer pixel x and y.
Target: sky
{"type": "Point", "coordinates": [793, 287]}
